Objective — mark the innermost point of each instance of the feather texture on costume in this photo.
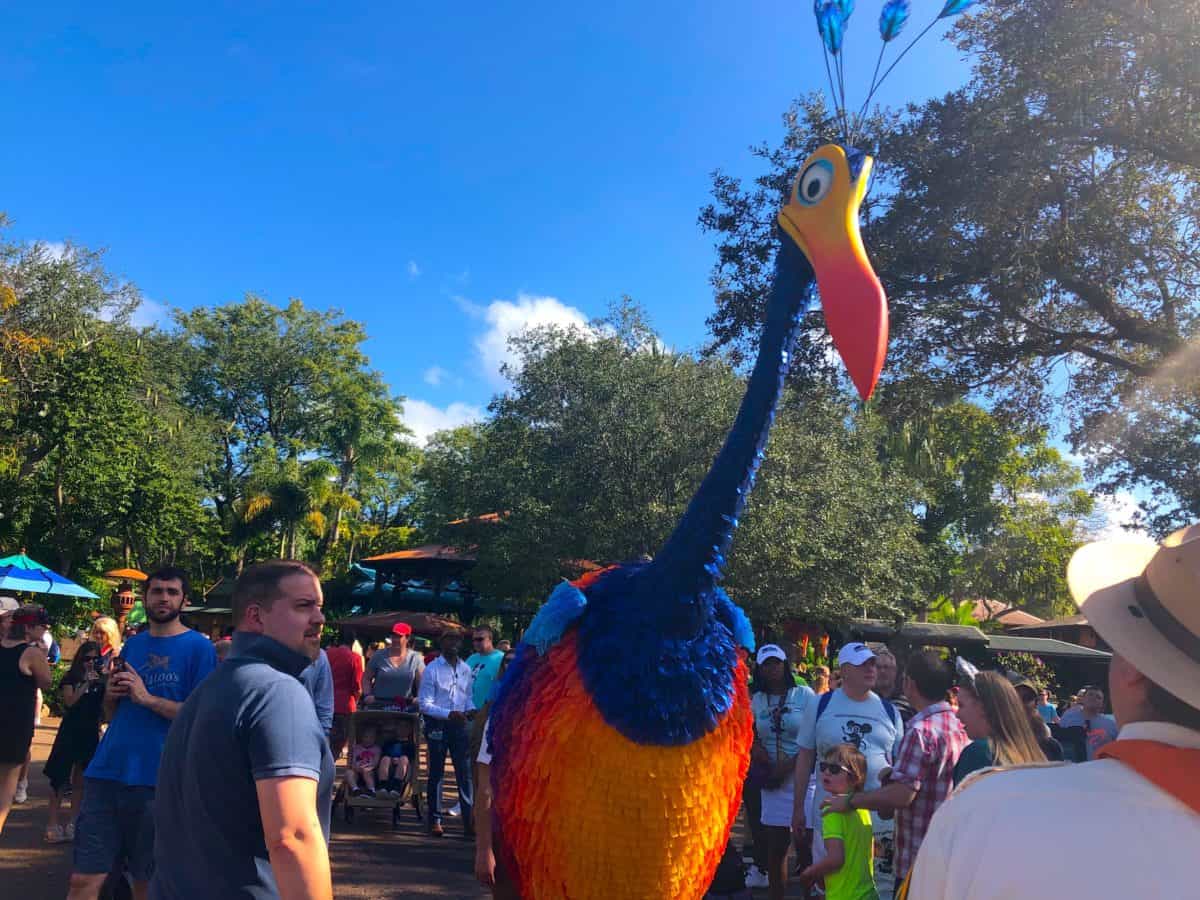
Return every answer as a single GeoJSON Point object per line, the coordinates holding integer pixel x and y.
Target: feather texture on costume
{"type": "Point", "coordinates": [892, 18]}
{"type": "Point", "coordinates": [954, 7]}
{"type": "Point", "coordinates": [830, 24]}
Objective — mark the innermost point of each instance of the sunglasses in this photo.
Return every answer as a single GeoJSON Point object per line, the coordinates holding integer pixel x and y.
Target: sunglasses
{"type": "Point", "coordinates": [833, 768]}
{"type": "Point", "coordinates": [478, 640]}
{"type": "Point", "coordinates": [90, 658]}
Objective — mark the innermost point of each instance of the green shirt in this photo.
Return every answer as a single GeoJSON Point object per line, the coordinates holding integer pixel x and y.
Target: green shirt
{"type": "Point", "coordinates": [855, 880]}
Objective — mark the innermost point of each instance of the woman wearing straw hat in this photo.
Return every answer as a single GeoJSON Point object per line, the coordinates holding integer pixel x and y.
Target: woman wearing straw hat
{"type": "Point", "coordinates": [1134, 812]}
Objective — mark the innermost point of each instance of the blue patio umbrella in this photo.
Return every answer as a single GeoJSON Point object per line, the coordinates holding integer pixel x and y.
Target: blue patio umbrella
{"type": "Point", "coordinates": [20, 573]}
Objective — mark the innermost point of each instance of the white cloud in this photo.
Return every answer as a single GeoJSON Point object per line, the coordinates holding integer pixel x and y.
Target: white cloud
{"type": "Point", "coordinates": [414, 271]}
{"type": "Point", "coordinates": [1115, 515]}
{"type": "Point", "coordinates": [150, 313]}
{"type": "Point", "coordinates": [54, 249]}
{"type": "Point", "coordinates": [506, 318]}
{"type": "Point", "coordinates": [423, 419]}
{"type": "Point", "coordinates": [435, 375]}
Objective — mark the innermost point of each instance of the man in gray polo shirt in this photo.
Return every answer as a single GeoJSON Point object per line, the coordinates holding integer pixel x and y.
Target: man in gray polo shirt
{"type": "Point", "coordinates": [246, 778]}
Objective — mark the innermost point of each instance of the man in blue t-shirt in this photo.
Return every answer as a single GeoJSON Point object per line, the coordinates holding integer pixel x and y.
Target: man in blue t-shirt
{"type": "Point", "coordinates": [154, 674]}
{"type": "Point", "coordinates": [244, 795]}
{"type": "Point", "coordinates": [484, 663]}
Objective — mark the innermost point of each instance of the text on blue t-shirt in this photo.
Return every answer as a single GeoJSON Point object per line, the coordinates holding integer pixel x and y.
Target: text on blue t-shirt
{"type": "Point", "coordinates": [171, 668]}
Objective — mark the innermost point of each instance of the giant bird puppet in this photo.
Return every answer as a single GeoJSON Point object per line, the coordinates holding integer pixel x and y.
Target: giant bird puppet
{"type": "Point", "coordinates": [620, 735]}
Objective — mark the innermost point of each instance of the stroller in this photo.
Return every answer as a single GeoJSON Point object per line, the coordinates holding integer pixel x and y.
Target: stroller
{"type": "Point", "coordinates": [392, 726]}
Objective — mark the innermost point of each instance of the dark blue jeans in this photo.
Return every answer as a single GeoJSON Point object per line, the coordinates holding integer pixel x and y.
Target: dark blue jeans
{"type": "Point", "coordinates": [442, 737]}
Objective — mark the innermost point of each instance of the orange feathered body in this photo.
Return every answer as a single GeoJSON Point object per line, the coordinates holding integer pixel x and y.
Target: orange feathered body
{"type": "Point", "coordinates": [586, 813]}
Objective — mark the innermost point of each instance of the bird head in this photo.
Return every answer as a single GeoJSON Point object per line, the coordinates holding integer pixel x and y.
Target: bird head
{"type": "Point", "coordinates": [821, 217]}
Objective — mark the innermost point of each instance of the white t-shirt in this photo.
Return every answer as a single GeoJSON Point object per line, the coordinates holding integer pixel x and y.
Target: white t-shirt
{"type": "Point", "coordinates": [989, 841]}
{"type": "Point", "coordinates": [778, 719]}
{"type": "Point", "coordinates": [863, 723]}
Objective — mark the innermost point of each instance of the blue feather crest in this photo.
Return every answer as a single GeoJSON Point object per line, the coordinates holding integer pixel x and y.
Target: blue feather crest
{"type": "Point", "coordinates": [954, 7]}
{"type": "Point", "coordinates": [892, 18]}
{"type": "Point", "coordinates": [830, 24]}
{"type": "Point", "coordinates": [845, 8]}
{"type": "Point", "coordinates": [566, 604]}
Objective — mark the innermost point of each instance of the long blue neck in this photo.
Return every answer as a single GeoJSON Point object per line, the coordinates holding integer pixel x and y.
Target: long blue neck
{"type": "Point", "coordinates": [693, 559]}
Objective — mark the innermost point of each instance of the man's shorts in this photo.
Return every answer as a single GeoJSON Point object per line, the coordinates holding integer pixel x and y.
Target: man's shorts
{"type": "Point", "coordinates": [115, 826]}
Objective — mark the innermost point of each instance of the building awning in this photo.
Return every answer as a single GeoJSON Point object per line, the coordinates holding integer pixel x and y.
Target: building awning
{"type": "Point", "coordinates": [1013, 643]}
{"type": "Point", "coordinates": [426, 553]}
{"type": "Point", "coordinates": [931, 633]}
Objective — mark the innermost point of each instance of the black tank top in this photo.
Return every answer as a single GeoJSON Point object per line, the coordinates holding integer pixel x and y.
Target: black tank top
{"type": "Point", "coordinates": [16, 688]}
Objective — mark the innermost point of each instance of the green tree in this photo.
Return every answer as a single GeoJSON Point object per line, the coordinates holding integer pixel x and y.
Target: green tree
{"type": "Point", "coordinates": [829, 532]}
{"type": "Point", "coordinates": [1036, 231]}
{"type": "Point", "coordinates": [598, 447]}
{"type": "Point", "coordinates": [281, 389]}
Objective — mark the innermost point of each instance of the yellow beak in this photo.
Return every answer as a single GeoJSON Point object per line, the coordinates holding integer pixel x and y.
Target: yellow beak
{"type": "Point", "coordinates": [821, 216]}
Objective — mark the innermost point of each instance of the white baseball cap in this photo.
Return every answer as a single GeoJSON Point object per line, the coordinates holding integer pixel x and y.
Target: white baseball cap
{"type": "Point", "coordinates": [855, 654]}
{"type": "Point", "coordinates": [770, 651]}
{"type": "Point", "coordinates": [8, 605]}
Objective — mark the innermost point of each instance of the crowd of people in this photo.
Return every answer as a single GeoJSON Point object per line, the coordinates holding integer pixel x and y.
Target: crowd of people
{"type": "Point", "coordinates": [215, 773]}
{"type": "Point", "coordinates": [879, 778]}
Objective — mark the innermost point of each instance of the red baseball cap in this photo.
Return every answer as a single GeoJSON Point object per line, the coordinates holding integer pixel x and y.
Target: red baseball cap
{"type": "Point", "coordinates": [402, 628]}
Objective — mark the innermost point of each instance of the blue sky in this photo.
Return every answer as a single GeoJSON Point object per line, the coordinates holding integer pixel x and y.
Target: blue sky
{"type": "Point", "coordinates": [444, 176]}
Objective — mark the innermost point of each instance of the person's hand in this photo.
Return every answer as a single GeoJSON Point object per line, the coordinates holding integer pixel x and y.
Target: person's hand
{"type": "Point", "coordinates": [798, 825]}
{"type": "Point", "coordinates": [471, 713]}
{"type": "Point", "coordinates": [91, 674]}
{"type": "Point", "coordinates": [116, 687]}
{"type": "Point", "coordinates": [456, 716]}
{"type": "Point", "coordinates": [485, 866]}
{"type": "Point", "coordinates": [838, 803]}
{"type": "Point", "coordinates": [134, 687]}
{"type": "Point", "coordinates": [368, 699]}
{"type": "Point", "coordinates": [808, 876]}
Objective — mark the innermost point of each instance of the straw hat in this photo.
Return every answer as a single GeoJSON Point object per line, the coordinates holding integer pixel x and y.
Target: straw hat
{"type": "Point", "coordinates": [1144, 600]}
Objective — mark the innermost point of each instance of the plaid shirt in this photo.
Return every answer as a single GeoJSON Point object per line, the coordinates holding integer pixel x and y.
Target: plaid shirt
{"type": "Point", "coordinates": [928, 752]}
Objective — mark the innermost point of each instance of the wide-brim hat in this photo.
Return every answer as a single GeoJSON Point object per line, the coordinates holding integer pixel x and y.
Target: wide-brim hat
{"type": "Point", "coordinates": [1144, 600]}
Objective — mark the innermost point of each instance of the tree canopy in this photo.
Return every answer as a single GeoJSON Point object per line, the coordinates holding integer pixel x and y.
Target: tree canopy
{"type": "Point", "coordinates": [1036, 232]}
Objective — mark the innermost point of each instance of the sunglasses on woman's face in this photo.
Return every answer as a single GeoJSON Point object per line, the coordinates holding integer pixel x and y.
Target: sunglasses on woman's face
{"type": "Point", "coordinates": [832, 768]}
{"type": "Point", "coordinates": [90, 658]}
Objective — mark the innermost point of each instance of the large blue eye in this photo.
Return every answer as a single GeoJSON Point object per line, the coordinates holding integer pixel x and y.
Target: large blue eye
{"type": "Point", "coordinates": [814, 182]}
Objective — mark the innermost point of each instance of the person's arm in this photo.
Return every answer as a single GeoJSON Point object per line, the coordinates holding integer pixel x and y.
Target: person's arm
{"type": "Point", "coordinates": [426, 700]}
{"type": "Point", "coordinates": [38, 666]}
{"type": "Point", "coordinates": [485, 856]}
{"type": "Point", "coordinates": [368, 682]}
{"type": "Point", "coordinates": [356, 665]}
{"type": "Point", "coordinates": [892, 796]}
{"type": "Point", "coordinates": [136, 691]}
{"type": "Point", "coordinates": [835, 858]}
{"type": "Point", "coordinates": [295, 842]}
{"type": "Point", "coordinates": [902, 786]}
{"type": "Point", "coordinates": [70, 692]}
{"type": "Point", "coordinates": [805, 758]}
{"type": "Point", "coordinates": [416, 688]}
{"type": "Point", "coordinates": [471, 696]}
{"type": "Point", "coordinates": [323, 697]}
